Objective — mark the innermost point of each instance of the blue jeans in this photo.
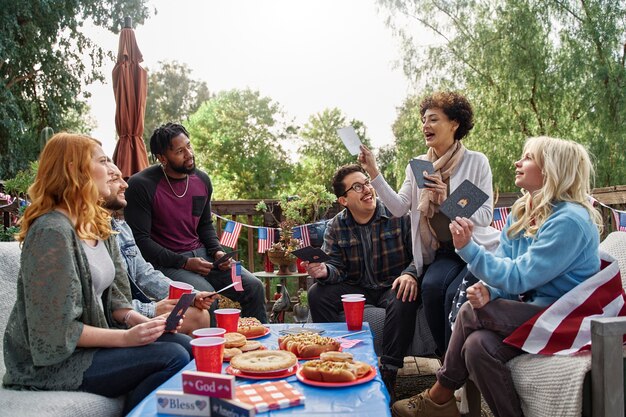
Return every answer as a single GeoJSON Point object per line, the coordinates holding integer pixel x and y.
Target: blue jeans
{"type": "Point", "coordinates": [439, 284]}
{"type": "Point", "coordinates": [136, 371]}
{"type": "Point", "coordinates": [252, 299]}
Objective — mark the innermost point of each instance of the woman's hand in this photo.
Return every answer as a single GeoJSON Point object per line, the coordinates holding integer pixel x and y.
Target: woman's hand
{"type": "Point", "coordinates": [461, 229]}
{"type": "Point", "coordinates": [406, 288]}
{"type": "Point", "coordinates": [165, 306]}
{"type": "Point", "coordinates": [368, 162]}
{"type": "Point", "coordinates": [436, 187]}
{"type": "Point", "coordinates": [478, 295]}
{"type": "Point", "coordinates": [204, 299]}
{"type": "Point", "coordinates": [145, 333]}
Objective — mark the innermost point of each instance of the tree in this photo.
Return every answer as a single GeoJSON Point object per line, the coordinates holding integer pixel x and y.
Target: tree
{"type": "Point", "coordinates": [172, 97]}
{"type": "Point", "coordinates": [44, 70]}
{"type": "Point", "coordinates": [237, 138]}
{"type": "Point", "coordinates": [529, 68]}
{"type": "Point", "coordinates": [322, 151]}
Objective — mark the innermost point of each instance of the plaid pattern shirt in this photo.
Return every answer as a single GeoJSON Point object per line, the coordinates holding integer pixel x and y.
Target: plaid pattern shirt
{"type": "Point", "coordinates": [391, 254]}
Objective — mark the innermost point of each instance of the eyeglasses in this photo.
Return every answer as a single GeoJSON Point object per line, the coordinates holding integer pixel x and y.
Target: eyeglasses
{"type": "Point", "coordinates": [358, 187]}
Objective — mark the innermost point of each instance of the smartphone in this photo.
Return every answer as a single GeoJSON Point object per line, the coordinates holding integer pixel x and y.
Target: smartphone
{"type": "Point", "coordinates": [225, 257]}
{"type": "Point", "coordinates": [177, 312]}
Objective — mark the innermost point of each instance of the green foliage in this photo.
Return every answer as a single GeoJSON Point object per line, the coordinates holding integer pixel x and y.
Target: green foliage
{"type": "Point", "coordinates": [323, 151]}
{"type": "Point", "coordinates": [237, 138]}
{"type": "Point", "coordinates": [46, 62]}
{"type": "Point", "coordinates": [303, 297]}
{"type": "Point", "coordinates": [18, 185]}
{"type": "Point", "coordinates": [529, 68]}
{"type": "Point", "coordinates": [172, 96]}
{"type": "Point", "coordinates": [8, 234]}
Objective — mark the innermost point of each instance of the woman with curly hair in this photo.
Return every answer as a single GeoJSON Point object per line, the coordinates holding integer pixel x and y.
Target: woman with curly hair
{"type": "Point", "coordinates": [447, 118]}
{"type": "Point", "coordinates": [72, 326]}
{"type": "Point", "coordinates": [549, 245]}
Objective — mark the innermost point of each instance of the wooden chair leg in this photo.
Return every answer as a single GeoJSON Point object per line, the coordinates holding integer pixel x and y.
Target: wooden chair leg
{"type": "Point", "coordinates": [473, 399]}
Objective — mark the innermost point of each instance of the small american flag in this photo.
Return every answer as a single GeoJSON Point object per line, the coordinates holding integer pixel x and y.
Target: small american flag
{"type": "Point", "coordinates": [235, 274]}
{"type": "Point", "coordinates": [266, 238]}
{"type": "Point", "coordinates": [230, 234]}
{"type": "Point", "coordinates": [620, 220]}
{"type": "Point", "coordinates": [302, 233]}
{"type": "Point", "coordinates": [499, 217]}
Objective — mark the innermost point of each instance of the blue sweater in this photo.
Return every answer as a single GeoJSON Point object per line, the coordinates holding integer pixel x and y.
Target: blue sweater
{"type": "Point", "coordinates": [563, 253]}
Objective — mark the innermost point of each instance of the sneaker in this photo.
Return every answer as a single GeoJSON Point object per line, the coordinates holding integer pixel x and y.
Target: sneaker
{"type": "Point", "coordinates": [421, 405]}
{"type": "Point", "coordinates": [389, 378]}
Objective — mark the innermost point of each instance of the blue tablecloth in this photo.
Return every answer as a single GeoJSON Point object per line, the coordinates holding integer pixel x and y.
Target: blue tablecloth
{"type": "Point", "coordinates": [366, 400]}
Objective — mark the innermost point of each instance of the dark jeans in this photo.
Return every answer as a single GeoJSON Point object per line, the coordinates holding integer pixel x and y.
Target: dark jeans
{"type": "Point", "coordinates": [439, 284]}
{"type": "Point", "coordinates": [477, 351]}
{"type": "Point", "coordinates": [136, 371]}
{"type": "Point", "coordinates": [252, 298]}
{"type": "Point", "coordinates": [326, 306]}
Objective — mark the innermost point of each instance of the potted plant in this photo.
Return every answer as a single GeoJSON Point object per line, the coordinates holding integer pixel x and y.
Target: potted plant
{"type": "Point", "coordinates": [310, 205]}
{"type": "Point", "coordinates": [301, 308]}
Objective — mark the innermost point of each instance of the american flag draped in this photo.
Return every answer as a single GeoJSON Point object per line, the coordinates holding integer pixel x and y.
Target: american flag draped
{"type": "Point", "coordinates": [302, 233]}
{"type": "Point", "coordinates": [499, 217]}
{"type": "Point", "coordinates": [620, 220]}
{"type": "Point", "coordinates": [565, 326]}
{"type": "Point", "coordinates": [266, 239]}
{"type": "Point", "coordinates": [230, 234]}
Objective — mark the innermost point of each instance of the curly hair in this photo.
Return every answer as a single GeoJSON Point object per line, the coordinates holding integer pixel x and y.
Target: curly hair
{"type": "Point", "coordinates": [162, 136]}
{"type": "Point", "coordinates": [455, 106]}
{"type": "Point", "coordinates": [567, 172]}
{"type": "Point", "coordinates": [339, 187]}
{"type": "Point", "coordinates": [64, 180]}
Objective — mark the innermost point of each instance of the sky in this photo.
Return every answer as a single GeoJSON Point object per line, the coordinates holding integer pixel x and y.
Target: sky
{"type": "Point", "coordinates": [307, 55]}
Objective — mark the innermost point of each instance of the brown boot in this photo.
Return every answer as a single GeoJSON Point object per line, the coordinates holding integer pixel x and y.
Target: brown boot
{"type": "Point", "coordinates": [421, 405]}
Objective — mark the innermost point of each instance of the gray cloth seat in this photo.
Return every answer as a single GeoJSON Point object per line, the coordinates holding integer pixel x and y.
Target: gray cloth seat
{"type": "Point", "coordinates": [41, 403]}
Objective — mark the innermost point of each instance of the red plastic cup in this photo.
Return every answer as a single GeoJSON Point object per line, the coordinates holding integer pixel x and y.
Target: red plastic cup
{"type": "Point", "coordinates": [178, 288]}
{"type": "Point", "coordinates": [352, 296]}
{"type": "Point", "coordinates": [227, 318]}
{"type": "Point", "coordinates": [208, 332]}
{"type": "Point", "coordinates": [353, 309]}
{"type": "Point", "coordinates": [209, 353]}
{"type": "Point", "coordinates": [301, 268]}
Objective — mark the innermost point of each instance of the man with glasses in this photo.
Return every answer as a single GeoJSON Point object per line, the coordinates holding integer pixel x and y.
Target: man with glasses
{"type": "Point", "coordinates": [371, 254]}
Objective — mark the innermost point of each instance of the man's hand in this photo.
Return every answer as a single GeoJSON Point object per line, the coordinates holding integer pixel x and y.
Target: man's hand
{"type": "Point", "coordinates": [316, 270]}
{"type": "Point", "coordinates": [204, 299]}
{"type": "Point", "coordinates": [199, 265]}
{"type": "Point", "coordinates": [406, 287]}
{"type": "Point", "coordinates": [478, 295]}
{"type": "Point", "coordinates": [224, 265]}
{"type": "Point", "coordinates": [461, 229]}
{"type": "Point", "coordinates": [165, 306]}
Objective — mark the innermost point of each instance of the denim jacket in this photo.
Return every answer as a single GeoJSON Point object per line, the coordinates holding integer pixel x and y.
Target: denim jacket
{"type": "Point", "coordinates": [146, 282]}
{"type": "Point", "coordinates": [391, 248]}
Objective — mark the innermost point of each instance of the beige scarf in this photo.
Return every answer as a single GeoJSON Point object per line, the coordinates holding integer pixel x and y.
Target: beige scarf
{"type": "Point", "coordinates": [428, 203]}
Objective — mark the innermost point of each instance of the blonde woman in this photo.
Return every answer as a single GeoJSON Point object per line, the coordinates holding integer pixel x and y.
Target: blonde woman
{"type": "Point", "coordinates": [447, 118]}
{"type": "Point", "coordinates": [548, 246]}
{"type": "Point", "coordinates": [72, 326]}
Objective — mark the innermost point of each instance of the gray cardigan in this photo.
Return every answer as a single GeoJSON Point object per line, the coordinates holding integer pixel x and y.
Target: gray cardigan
{"type": "Point", "coordinates": [55, 298]}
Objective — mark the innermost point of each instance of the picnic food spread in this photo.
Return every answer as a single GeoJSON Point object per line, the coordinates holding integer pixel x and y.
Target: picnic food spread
{"type": "Point", "coordinates": [250, 327]}
{"type": "Point", "coordinates": [335, 367]}
{"type": "Point", "coordinates": [264, 361]}
{"type": "Point", "coordinates": [230, 352]}
{"type": "Point", "coordinates": [307, 345]}
{"type": "Point", "coordinates": [234, 340]}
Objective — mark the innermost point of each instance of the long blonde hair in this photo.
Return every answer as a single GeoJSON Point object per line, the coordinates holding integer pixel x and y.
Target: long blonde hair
{"type": "Point", "coordinates": [64, 181]}
{"type": "Point", "coordinates": [567, 171]}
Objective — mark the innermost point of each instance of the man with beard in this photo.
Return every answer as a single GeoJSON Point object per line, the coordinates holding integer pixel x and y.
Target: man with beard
{"type": "Point", "coordinates": [169, 212]}
{"type": "Point", "coordinates": [371, 254]}
{"type": "Point", "coordinates": [147, 283]}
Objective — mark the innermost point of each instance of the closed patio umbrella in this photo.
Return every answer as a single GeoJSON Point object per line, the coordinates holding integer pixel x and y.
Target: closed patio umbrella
{"type": "Point", "coordinates": [130, 83]}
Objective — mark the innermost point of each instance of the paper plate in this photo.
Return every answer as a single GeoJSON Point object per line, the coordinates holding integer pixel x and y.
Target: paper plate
{"type": "Point", "coordinates": [284, 373]}
{"type": "Point", "coordinates": [366, 378]}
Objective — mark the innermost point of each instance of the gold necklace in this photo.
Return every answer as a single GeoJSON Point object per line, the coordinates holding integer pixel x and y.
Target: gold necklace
{"type": "Point", "coordinates": [171, 188]}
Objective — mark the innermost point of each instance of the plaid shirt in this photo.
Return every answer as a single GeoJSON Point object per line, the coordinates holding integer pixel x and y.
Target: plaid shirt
{"type": "Point", "coordinates": [391, 248]}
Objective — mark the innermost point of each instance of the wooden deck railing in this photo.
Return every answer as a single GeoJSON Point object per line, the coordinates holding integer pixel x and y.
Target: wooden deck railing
{"type": "Point", "coordinates": [244, 212]}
